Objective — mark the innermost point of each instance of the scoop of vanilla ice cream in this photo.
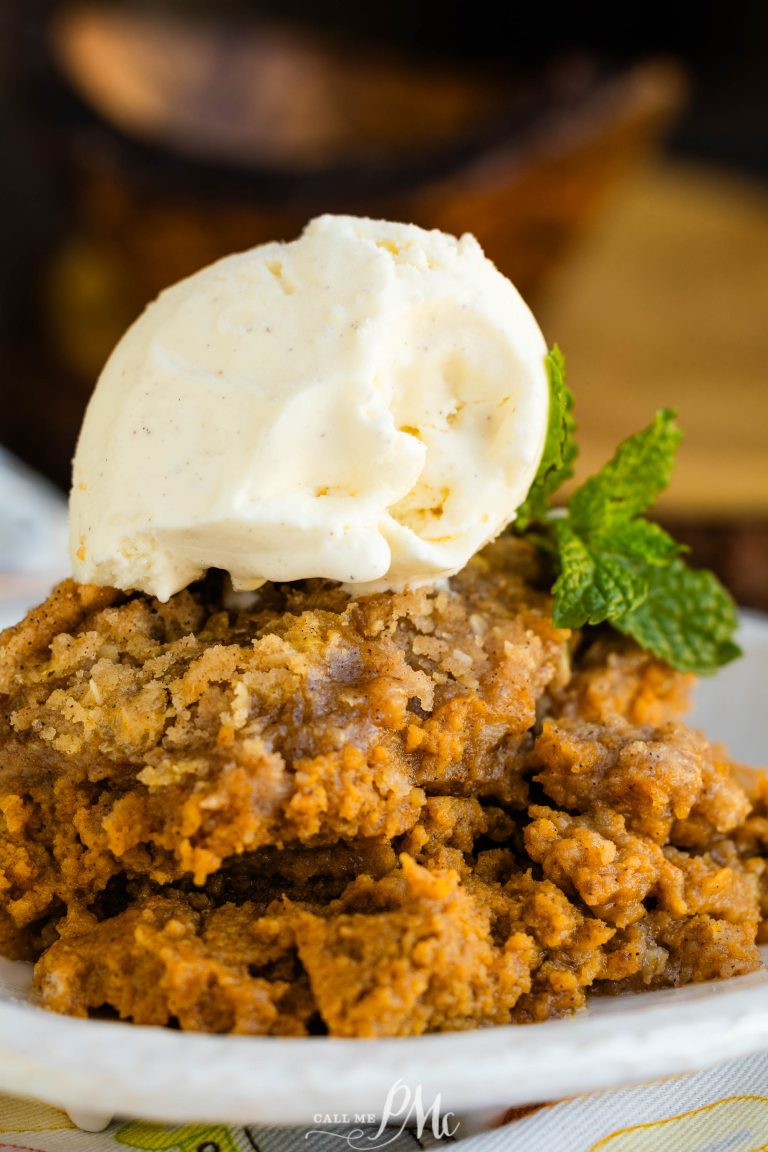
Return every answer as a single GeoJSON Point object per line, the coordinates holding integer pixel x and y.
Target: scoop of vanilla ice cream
{"type": "Point", "coordinates": [368, 403]}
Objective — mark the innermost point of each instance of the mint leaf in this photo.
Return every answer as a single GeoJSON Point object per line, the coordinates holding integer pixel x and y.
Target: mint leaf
{"type": "Point", "coordinates": [606, 550]}
{"type": "Point", "coordinates": [594, 584]}
{"type": "Point", "coordinates": [687, 619]}
{"type": "Point", "coordinates": [610, 563]}
{"type": "Point", "coordinates": [560, 449]}
{"type": "Point", "coordinates": [629, 483]}
{"type": "Point", "coordinates": [642, 540]}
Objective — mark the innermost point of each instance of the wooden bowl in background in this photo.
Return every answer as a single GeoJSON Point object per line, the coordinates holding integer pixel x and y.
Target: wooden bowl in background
{"type": "Point", "coordinates": [174, 142]}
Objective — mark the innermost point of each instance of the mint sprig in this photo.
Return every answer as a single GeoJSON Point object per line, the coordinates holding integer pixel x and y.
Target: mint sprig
{"type": "Point", "coordinates": [611, 563]}
{"type": "Point", "coordinates": [560, 448]}
{"type": "Point", "coordinates": [687, 618]}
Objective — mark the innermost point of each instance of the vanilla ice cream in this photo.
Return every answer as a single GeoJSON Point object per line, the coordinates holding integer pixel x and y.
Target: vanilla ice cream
{"type": "Point", "coordinates": [368, 403]}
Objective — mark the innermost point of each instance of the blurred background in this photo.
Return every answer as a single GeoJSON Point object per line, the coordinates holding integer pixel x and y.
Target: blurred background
{"type": "Point", "coordinates": [616, 171]}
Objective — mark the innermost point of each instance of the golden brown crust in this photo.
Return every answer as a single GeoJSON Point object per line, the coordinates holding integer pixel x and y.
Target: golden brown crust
{"type": "Point", "coordinates": [400, 814]}
{"type": "Point", "coordinates": [67, 606]}
{"type": "Point", "coordinates": [616, 678]}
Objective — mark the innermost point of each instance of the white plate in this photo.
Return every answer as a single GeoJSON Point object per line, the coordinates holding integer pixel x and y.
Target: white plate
{"type": "Point", "coordinates": [104, 1069]}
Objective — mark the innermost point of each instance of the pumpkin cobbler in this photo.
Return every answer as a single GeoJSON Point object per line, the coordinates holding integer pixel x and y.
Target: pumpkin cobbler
{"type": "Point", "coordinates": [302, 813]}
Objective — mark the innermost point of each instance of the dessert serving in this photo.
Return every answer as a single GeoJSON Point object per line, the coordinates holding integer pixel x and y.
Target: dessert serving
{"type": "Point", "coordinates": [341, 727]}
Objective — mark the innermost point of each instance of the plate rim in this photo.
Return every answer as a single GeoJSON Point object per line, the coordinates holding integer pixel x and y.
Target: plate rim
{"type": "Point", "coordinates": [86, 1066]}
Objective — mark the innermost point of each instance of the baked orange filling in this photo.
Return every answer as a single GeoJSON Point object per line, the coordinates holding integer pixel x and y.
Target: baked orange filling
{"type": "Point", "coordinates": [409, 812]}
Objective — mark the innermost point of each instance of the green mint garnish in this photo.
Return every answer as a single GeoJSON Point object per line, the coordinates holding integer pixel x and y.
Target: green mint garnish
{"type": "Point", "coordinates": [611, 563]}
{"type": "Point", "coordinates": [560, 448]}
